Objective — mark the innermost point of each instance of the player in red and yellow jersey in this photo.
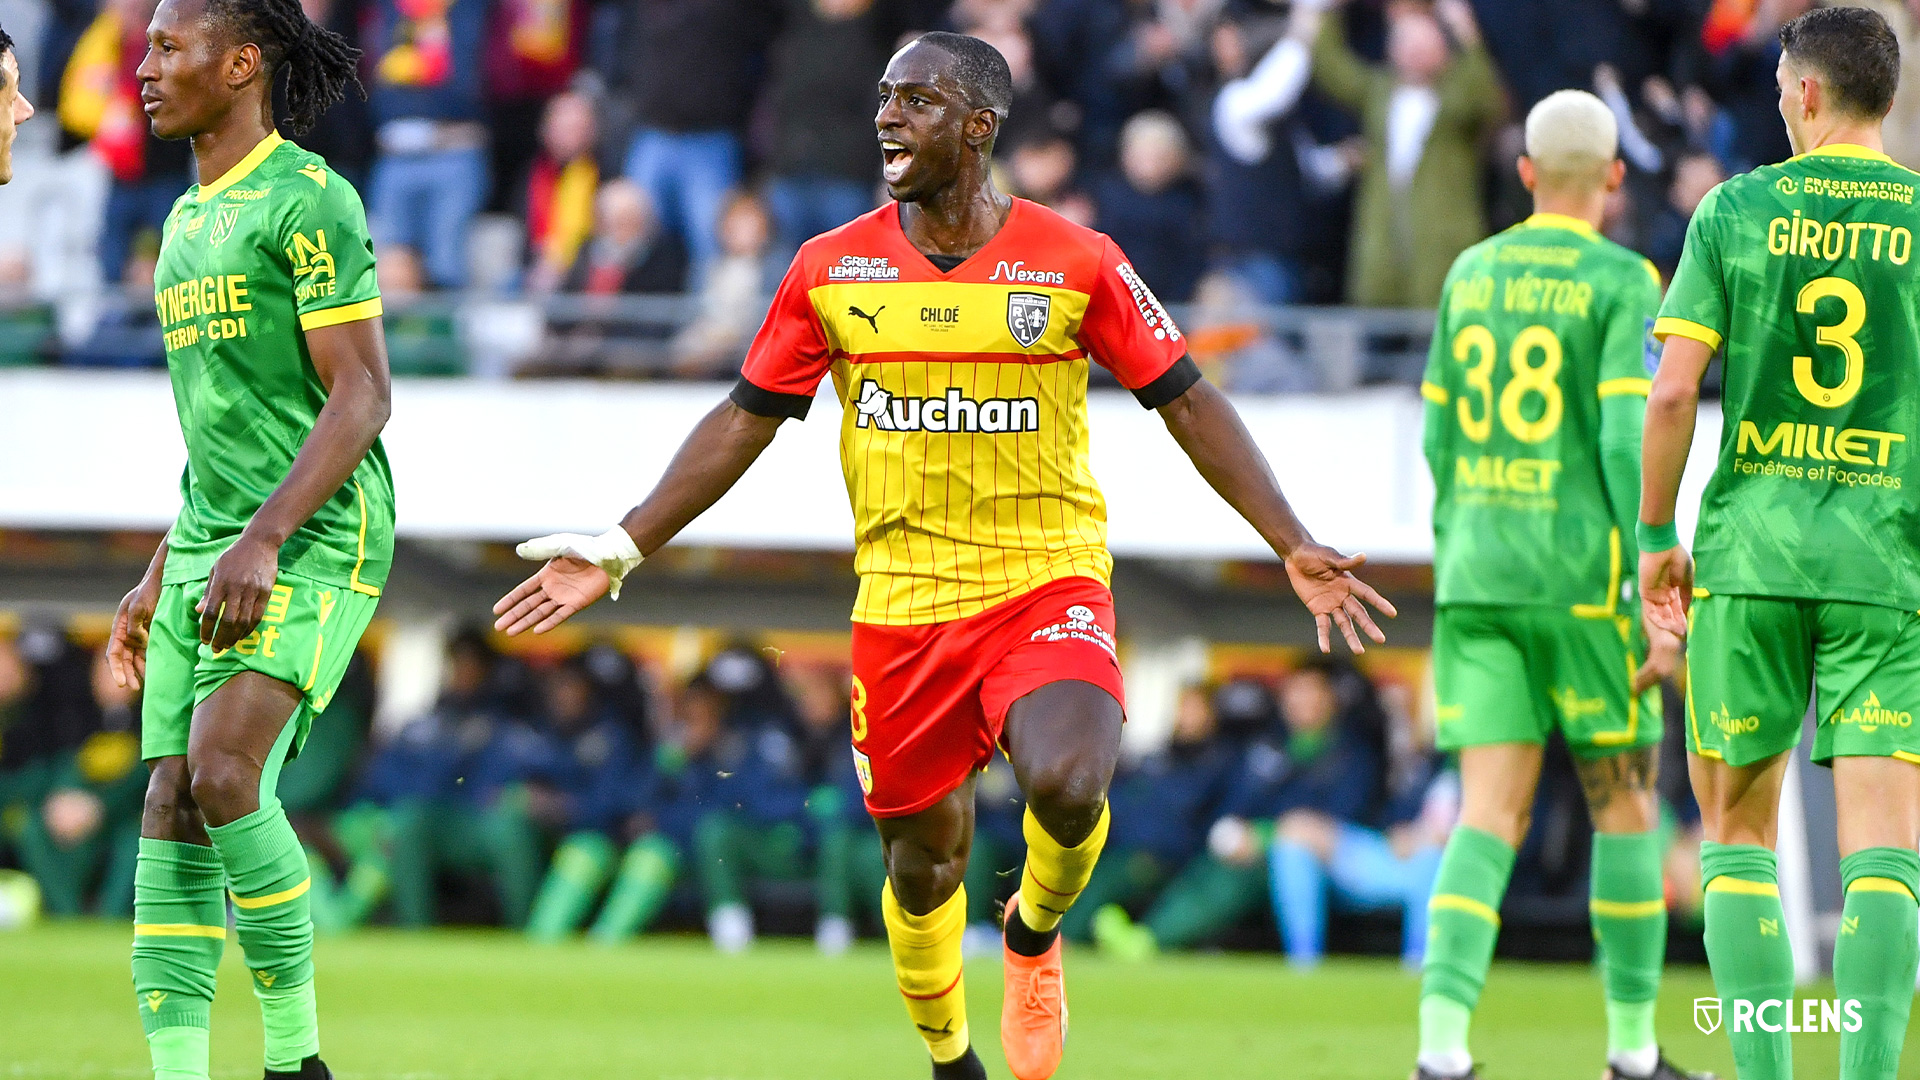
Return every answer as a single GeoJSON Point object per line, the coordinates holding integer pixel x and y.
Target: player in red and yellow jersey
{"type": "Point", "coordinates": [958, 325]}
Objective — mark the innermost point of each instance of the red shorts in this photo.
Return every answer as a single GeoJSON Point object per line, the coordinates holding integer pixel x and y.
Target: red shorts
{"type": "Point", "coordinates": [929, 701]}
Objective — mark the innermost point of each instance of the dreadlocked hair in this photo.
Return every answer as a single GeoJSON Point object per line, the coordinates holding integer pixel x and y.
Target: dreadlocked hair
{"type": "Point", "coordinates": [320, 65]}
{"type": "Point", "coordinates": [6, 43]}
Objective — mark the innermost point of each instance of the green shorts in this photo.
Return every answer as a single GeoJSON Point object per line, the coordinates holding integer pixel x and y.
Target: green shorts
{"type": "Point", "coordinates": [1753, 662]}
{"type": "Point", "coordinates": [306, 638]}
{"type": "Point", "coordinates": [1513, 674]}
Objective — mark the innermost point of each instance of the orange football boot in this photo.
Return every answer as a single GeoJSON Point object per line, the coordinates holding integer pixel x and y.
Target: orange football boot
{"type": "Point", "coordinates": [1033, 1016]}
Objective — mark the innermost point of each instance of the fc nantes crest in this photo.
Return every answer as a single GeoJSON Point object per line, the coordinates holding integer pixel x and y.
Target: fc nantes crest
{"type": "Point", "coordinates": [225, 218]}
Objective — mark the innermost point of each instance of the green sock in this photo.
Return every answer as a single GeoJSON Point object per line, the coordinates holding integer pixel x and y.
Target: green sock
{"type": "Point", "coordinates": [267, 871]}
{"type": "Point", "coordinates": [574, 880]}
{"type": "Point", "coordinates": [1875, 956]}
{"type": "Point", "coordinates": [179, 1053]}
{"type": "Point", "coordinates": [1464, 923]}
{"type": "Point", "coordinates": [1747, 949]}
{"type": "Point", "coordinates": [364, 832]}
{"type": "Point", "coordinates": [646, 878]}
{"type": "Point", "coordinates": [179, 932]}
{"type": "Point", "coordinates": [1629, 911]}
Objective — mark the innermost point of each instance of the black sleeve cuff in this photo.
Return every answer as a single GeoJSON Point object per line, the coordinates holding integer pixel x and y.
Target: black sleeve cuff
{"type": "Point", "coordinates": [762, 402]}
{"type": "Point", "coordinates": [1164, 390]}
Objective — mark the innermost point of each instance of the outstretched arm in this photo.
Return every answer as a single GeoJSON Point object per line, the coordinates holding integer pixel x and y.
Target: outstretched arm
{"type": "Point", "coordinates": [351, 360]}
{"type": "Point", "coordinates": [1206, 426]}
{"type": "Point", "coordinates": [1666, 575]}
{"type": "Point", "coordinates": [712, 459]}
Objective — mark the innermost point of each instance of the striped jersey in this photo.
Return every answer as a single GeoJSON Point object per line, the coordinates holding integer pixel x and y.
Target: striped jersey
{"type": "Point", "coordinates": [963, 392]}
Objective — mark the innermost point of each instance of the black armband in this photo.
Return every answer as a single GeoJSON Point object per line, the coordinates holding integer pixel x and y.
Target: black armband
{"type": "Point", "coordinates": [762, 402]}
{"type": "Point", "coordinates": [1176, 380]}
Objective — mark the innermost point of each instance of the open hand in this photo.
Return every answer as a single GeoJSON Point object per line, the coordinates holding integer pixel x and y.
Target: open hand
{"type": "Point", "coordinates": [237, 592]}
{"type": "Point", "coordinates": [1323, 579]}
{"type": "Point", "coordinates": [1666, 590]}
{"type": "Point", "coordinates": [1664, 652]}
{"type": "Point", "coordinates": [127, 643]}
{"type": "Point", "coordinates": [556, 592]}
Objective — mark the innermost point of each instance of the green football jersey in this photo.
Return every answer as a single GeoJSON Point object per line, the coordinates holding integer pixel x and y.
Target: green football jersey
{"type": "Point", "coordinates": [1803, 270]}
{"type": "Point", "coordinates": [278, 246]}
{"type": "Point", "coordinates": [1538, 325]}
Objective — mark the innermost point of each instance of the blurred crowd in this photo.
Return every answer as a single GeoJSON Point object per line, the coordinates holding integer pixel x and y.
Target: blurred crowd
{"type": "Point", "coordinates": [1243, 152]}
{"type": "Point", "coordinates": [588, 793]}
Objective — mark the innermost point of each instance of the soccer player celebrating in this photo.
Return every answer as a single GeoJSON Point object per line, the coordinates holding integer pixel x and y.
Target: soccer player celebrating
{"type": "Point", "coordinates": [1536, 388]}
{"type": "Point", "coordinates": [15, 109]}
{"type": "Point", "coordinates": [958, 325]}
{"type": "Point", "coordinates": [244, 622]}
{"type": "Point", "coordinates": [1808, 539]}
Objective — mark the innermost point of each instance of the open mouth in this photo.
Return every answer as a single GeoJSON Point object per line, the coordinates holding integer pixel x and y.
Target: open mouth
{"type": "Point", "coordinates": [896, 158]}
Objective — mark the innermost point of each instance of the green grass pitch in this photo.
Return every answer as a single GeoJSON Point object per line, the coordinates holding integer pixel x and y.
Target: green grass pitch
{"type": "Point", "coordinates": [476, 1005]}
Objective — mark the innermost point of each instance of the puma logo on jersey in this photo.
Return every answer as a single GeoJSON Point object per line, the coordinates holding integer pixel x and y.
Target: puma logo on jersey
{"type": "Point", "coordinates": [951, 412]}
{"type": "Point", "coordinates": [873, 320]}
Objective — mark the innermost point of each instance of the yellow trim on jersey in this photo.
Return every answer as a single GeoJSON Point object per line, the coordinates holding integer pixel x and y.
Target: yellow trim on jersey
{"type": "Point", "coordinates": [178, 930]}
{"type": "Point", "coordinates": [1652, 272]}
{"type": "Point", "coordinates": [1907, 755]}
{"type": "Point", "coordinates": [1451, 902]}
{"type": "Point", "coordinates": [1618, 387]}
{"type": "Point", "coordinates": [1436, 394]}
{"type": "Point", "coordinates": [353, 580]}
{"type": "Point", "coordinates": [1880, 884]}
{"type": "Point", "coordinates": [239, 172]}
{"type": "Point", "coordinates": [1607, 608]}
{"type": "Point", "coordinates": [345, 313]}
{"type": "Point", "coordinates": [940, 317]}
{"type": "Point", "coordinates": [1629, 909]}
{"type": "Point", "coordinates": [1562, 221]}
{"type": "Point", "coordinates": [1846, 150]}
{"type": "Point", "coordinates": [269, 900]}
{"type": "Point", "coordinates": [1723, 883]}
{"type": "Point", "coordinates": [1667, 325]}
{"type": "Point", "coordinates": [1624, 738]}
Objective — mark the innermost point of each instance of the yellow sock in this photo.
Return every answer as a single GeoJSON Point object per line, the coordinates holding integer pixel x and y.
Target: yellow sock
{"type": "Point", "coordinates": [926, 962]}
{"type": "Point", "coordinates": [1054, 875]}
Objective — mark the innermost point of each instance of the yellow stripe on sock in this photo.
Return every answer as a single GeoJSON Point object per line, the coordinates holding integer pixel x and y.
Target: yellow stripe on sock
{"type": "Point", "coordinates": [271, 899]}
{"type": "Point", "coordinates": [1628, 909]}
{"type": "Point", "coordinates": [1453, 902]}
{"type": "Point", "coordinates": [1880, 884]}
{"type": "Point", "coordinates": [1723, 883]}
{"type": "Point", "coordinates": [178, 930]}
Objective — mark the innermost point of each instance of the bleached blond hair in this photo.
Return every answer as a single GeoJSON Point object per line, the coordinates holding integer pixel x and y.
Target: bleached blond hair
{"type": "Point", "coordinates": [1572, 138]}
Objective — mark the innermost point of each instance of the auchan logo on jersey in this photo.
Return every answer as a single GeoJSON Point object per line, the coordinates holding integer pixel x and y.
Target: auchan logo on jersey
{"type": "Point", "coordinates": [952, 412]}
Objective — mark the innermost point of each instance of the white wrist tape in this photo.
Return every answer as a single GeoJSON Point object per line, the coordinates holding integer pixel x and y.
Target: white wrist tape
{"type": "Point", "coordinates": [612, 551]}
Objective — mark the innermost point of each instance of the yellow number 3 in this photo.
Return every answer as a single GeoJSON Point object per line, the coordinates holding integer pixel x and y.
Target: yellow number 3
{"type": "Point", "coordinates": [1840, 336]}
{"type": "Point", "coordinates": [859, 710]}
{"type": "Point", "coordinates": [1542, 378]}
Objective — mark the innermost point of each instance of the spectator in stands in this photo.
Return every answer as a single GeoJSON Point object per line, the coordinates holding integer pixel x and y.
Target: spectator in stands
{"type": "Point", "coordinates": [100, 102]}
{"type": "Point", "coordinates": [20, 774]}
{"type": "Point", "coordinates": [431, 174]}
{"type": "Point", "coordinates": [346, 138]}
{"type": "Point", "coordinates": [733, 297]}
{"type": "Point", "coordinates": [1324, 761]}
{"type": "Point", "coordinates": [1152, 207]}
{"type": "Point", "coordinates": [1337, 853]}
{"type": "Point", "coordinates": [849, 863]}
{"type": "Point", "coordinates": [628, 252]}
{"type": "Point", "coordinates": [561, 188]}
{"type": "Point", "coordinates": [690, 68]}
{"type": "Point", "coordinates": [315, 786]}
{"type": "Point", "coordinates": [81, 840]}
{"type": "Point", "coordinates": [1425, 116]}
{"type": "Point", "coordinates": [824, 161]}
{"type": "Point", "coordinates": [573, 790]}
{"type": "Point", "coordinates": [1042, 168]}
{"type": "Point", "coordinates": [447, 783]}
{"type": "Point", "coordinates": [533, 49]}
{"type": "Point", "coordinates": [1163, 803]}
{"type": "Point", "coordinates": [1742, 43]}
{"type": "Point", "coordinates": [1694, 175]}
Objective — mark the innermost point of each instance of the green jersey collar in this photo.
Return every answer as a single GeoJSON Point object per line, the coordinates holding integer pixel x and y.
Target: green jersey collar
{"type": "Point", "coordinates": [1560, 221]}
{"type": "Point", "coordinates": [1851, 150]}
{"type": "Point", "coordinates": [239, 172]}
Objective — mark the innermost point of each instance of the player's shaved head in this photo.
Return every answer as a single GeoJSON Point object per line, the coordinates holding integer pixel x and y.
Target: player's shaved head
{"type": "Point", "coordinates": [1572, 138]}
{"type": "Point", "coordinates": [1852, 52]}
{"type": "Point", "coordinates": [978, 69]}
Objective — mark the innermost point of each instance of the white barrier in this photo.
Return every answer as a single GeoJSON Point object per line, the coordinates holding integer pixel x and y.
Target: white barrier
{"type": "Point", "coordinates": [486, 460]}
